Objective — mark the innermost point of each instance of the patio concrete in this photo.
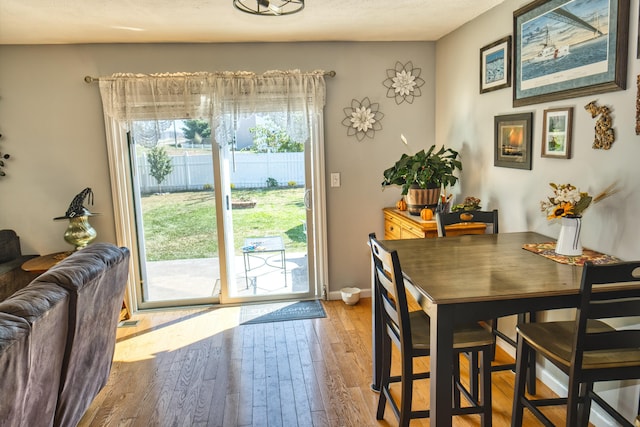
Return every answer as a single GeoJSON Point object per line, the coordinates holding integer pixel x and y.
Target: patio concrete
{"type": "Point", "coordinates": [200, 278]}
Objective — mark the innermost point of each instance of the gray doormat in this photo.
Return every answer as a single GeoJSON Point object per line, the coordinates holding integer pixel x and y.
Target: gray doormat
{"type": "Point", "coordinates": [281, 311]}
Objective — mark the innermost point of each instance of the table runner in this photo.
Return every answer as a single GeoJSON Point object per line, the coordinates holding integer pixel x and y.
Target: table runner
{"type": "Point", "coordinates": [547, 250]}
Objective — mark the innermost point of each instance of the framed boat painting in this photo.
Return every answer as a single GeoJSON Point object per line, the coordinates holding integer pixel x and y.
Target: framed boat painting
{"type": "Point", "coordinates": [513, 140]}
{"type": "Point", "coordinates": [569, 48]}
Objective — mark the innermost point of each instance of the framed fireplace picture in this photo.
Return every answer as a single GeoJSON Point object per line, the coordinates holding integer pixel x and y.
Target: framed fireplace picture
{"type": "Point", "coordinates": [569, 48]}
{"type": "Point", "coordinates": [513, 133]}
{"type": "Point", "coordinates": [556, 133]}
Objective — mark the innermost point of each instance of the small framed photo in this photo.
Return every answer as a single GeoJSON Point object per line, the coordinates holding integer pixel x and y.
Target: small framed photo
{"type": "Point", "coordinates": [513, 135]}
{"type": "Point", "coordinates": [495, 65]}
{"type": "Point", "coordinates": [556, 133]}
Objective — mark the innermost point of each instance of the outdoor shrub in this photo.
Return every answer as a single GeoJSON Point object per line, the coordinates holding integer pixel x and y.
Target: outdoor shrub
{"type": "Point", "coordinates": [272, 183]}
{"type": "Point", "coordinates": [159, 163]}
{"type": "Point", "coordinates": [291, 183]}
{"type": "Point", "coordinates": [207, 187]}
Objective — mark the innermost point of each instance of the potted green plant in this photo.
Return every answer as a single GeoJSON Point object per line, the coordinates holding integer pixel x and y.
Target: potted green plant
{"type": "Point", "coordinates": [423, 175]}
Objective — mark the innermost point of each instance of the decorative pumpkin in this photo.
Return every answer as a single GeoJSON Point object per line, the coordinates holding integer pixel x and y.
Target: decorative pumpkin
{"type": "Point", "coordinates": [401, 205]}
{"type": "Point", "coordinates": [466, 216]}
{"type": "Point", "coordinates": [426, 214]}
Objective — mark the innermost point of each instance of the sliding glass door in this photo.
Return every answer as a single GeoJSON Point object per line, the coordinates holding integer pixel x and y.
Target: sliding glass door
{"type": "Point", "coordinates": [266, 218]}
{"type": "Point", "coordinates": [221, 223]}
{"type": "Point", "coordinates": [177, 234]}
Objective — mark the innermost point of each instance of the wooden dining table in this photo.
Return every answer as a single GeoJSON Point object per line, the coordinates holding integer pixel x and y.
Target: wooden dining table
{"type": "Point", "coordinates": [472, 278]}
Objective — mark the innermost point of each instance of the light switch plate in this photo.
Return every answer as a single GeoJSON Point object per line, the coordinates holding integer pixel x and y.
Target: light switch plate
{"type": "Point", "coordinates": [335, 179]}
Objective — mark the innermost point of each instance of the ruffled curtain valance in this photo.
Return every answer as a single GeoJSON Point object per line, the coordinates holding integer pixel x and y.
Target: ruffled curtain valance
{"type": "Point", "coordinates": [222, 97]}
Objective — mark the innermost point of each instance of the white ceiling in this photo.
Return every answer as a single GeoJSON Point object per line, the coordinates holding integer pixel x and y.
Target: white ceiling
{"type": "Point", "coordinates": [204, 21]}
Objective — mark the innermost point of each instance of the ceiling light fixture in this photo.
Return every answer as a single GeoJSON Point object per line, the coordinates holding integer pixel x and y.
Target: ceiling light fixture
{"type": "Point", "coordinates": [269, 7]}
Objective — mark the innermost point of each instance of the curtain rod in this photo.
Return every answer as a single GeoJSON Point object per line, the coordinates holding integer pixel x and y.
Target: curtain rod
{"type": "Point", "coordinates": [89, 79]}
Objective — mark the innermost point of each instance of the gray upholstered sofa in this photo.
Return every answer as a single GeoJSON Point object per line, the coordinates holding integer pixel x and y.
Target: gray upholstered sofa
{"type": "Point", "coordinates": [57, 338]}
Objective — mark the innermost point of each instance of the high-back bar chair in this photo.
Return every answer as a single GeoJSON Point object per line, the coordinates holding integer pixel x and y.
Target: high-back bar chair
{"type": "Point", "coordinates": [588, 349]}
{"type": "Point", "coordinates": [409, 332]}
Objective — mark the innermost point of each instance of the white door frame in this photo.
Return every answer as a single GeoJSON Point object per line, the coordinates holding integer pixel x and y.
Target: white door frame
{"type": "Point", "coordinates": [124, 208]}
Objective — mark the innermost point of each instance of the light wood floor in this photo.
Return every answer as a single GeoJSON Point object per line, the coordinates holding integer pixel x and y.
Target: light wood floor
{"type": "Point", "coordinates": [198, 367]}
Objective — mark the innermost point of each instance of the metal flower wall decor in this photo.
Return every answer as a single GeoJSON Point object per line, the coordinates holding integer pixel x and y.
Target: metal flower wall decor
{"type": "Point", "coordinates": [3, 157]}
{"type": "Point", "coordinates": [403, 82]}
{"type": "Point", "coordinates": [362, 118]}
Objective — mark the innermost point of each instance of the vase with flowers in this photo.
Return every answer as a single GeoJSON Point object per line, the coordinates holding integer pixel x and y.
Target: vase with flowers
{"type": "Point", "coordinates": [567, 204]}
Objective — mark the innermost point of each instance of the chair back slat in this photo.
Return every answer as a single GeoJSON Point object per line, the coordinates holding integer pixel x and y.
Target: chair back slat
{"type": "Point", "coordinates": [389, 305]}
{"type": "Point", "coordinates": [598, 301]}
{"type": "Point", "coordinates": [391, 292]}
{"type": "Point", "coordinates": [625, 307]}
{"type": "Point", "coordinates": [488, 217]}
{"type": "Point", "coordinates": [611, 340]}
{"type": "Point", "coordinates": [612, 273]}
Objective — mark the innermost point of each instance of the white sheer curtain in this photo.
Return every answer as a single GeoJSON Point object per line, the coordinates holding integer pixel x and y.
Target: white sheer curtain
{"type": "Point", "coordinates": [240, 95]}
{"type": "Point", "coordinates": [224, 98]}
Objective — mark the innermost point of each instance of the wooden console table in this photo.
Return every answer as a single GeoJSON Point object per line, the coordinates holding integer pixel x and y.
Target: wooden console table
{"type": "Point", "coordinates": [402, 225]}
{"type": "Point", "coordinates": [42, 263]}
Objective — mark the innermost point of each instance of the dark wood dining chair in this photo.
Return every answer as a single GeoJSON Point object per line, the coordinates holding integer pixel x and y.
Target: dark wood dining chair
{"type": "Point", "coordinates": [448, 218]}
{"type": "Point", "coordinates": [409, 332]}
{"type": "Point", "coordinates": [491, 219]}
{"type": "Point", "coordinates": [586, 349]}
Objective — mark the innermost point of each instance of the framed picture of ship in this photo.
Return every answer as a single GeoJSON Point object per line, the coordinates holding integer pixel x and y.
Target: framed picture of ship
{"type": "Point", "coordinates": [569, 48]}
{"type": "Point", "coordinates": [495, 65]}
{"type": "Point", "coordinates": [513, 140]}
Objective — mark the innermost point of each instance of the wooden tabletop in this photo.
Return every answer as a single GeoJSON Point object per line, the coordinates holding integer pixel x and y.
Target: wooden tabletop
{"type": "Point", "coordinates": [489, 267]}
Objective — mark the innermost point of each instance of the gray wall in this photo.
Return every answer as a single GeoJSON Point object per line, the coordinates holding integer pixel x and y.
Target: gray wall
{"type": "Point", "coordinates": [53, 127]}
{"type": "Point", "coordinates": [464, 119]}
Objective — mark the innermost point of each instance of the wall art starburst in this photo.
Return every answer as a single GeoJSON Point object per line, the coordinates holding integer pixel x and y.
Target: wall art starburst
{"type": "Point", "coordinates": [3, 157]}
{"type": "Point", "coordinates": [403, 82]}
{"type": "Point", "coordinates": [362, 118]}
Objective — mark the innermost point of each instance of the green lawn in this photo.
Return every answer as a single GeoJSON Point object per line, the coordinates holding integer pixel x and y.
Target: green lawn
{"type": "Point", "coordinates": [183, 225]}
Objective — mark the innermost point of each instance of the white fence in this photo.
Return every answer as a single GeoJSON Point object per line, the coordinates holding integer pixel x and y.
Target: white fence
{"type": "Point", "coordinates": [252, 170]}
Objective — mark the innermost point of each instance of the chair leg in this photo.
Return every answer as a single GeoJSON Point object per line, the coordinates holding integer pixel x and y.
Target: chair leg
{"type": "Point", "coordinates": [385, 373]}
{"type": "Point", "coordinates": [485, 390]}
{"type": "Point", "coordinates": [456, 380]}
{"type": "Point", "coordinates": [474, 372]}
{"type": "Point", "coordinates": [573, 404]}
{"type": "Point", "coordinates": [493, 326]}
{"type": "Point", "coordinates": [582, 406]}
{"type": "Point", "coordinates": [531, 377]}
{"type": "Point", "coordinates": [407, 390]}
{"type": "Point", "coordinates": [522, 357]}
